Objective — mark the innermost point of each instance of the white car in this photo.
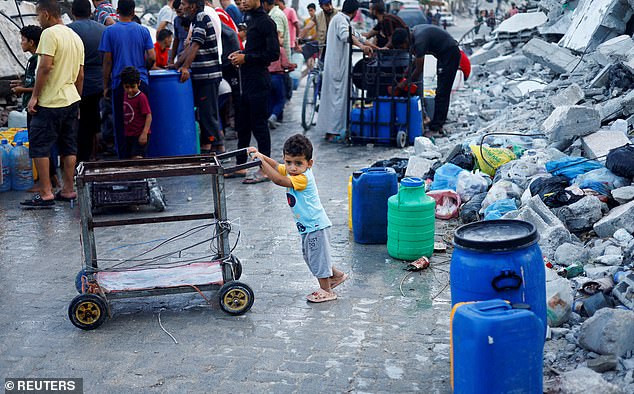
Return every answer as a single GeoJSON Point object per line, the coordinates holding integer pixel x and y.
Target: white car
{"type": "Point", "coordinates": [446, 16]}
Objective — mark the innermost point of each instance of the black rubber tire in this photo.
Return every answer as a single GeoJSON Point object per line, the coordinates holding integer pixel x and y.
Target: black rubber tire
{"type": "Point", "coordinates": [401, 139]}
{"type": "Point", "coordinates": [308, 109]}
{"type": "Point", "coordinates": [236, 298]}
{"type": "Point", "coordinates": [78, 277]}
{"type": "Point", "coordinates": [87, 311]}
{"type": "Point", "coordinates": [237, 268]}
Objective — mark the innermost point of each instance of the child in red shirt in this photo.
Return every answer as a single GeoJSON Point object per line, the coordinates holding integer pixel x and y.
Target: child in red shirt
{"type": "Point", "coordinates": [137, 115]}
{"type": "Point", "coordinates": [161, 47]}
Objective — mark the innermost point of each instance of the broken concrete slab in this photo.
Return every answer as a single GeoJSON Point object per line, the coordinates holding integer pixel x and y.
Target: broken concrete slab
{"type": "Point", "coordinates": [619, 217]}
{"type": "Point", "coordinates": [581, 215]}
{"type": "Point", "coordinates": [602, 78]}
{"type": "Point", "coordinates": [617, 49]}
{"type": "Point", "coordinates": [508, 63]}
{"type": "Point", "coordinates": [623, 195]}
{"type": "Point", "coordinates": [558, 59]}
{"type": "Point", "coordinates": [522, 21]}
{"type": "Point", "coordinates": [568, 122]}
{"type": "Point", "coordinates": [603, 363]}
{"type": "Point", "coordinates": [609, 331]}
{"type": "Point", "coordinates": [618, 107]}
{"type": "Point", "coordinates": [597, 145]}
{"type": "Point", "coordinates": [584, 380]}
{"type": "Point", "coordinates": [569, 96]}
{"type": "Point", "coordinates": [568, 254]}
{"type": "Point", "coordinates": [418, 166]}
{"type": "Point", "coordinates": [482, 56]}
{"type": "Point", "coordinates": [596, 21]}
{"type": "Point", "coordinates": [521, 89]}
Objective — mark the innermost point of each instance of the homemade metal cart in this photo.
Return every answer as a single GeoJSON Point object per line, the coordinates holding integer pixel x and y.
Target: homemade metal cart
{"type": "Point", "coordinates": [98, 285]}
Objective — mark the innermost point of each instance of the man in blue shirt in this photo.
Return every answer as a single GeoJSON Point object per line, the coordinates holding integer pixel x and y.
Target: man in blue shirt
{"type": "Point", "coordinates": [232, 10]}
{"type": "Point", "coordinates": [124, 44]}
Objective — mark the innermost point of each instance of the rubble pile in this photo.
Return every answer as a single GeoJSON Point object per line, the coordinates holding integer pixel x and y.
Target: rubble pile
{"type": "Point", "coordinates": [544, 135]}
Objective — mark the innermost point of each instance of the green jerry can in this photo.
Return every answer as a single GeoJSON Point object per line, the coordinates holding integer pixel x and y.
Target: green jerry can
{"type": "Point", "coordinates": [411, 221]}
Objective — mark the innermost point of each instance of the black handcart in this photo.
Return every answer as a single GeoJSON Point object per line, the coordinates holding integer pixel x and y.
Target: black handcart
{"type": "Point", "coordinates": [377, 112]}
{"type": "Point", "coordinates": [218, 271]}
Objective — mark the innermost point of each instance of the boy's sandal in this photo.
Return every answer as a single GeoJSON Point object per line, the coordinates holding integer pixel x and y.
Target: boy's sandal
{"type": "Point", "coordinates": [336, 282]}
{"type": "Point", "coordinates": [255, 178]}
{"type": "Point", "coordinates": [435, 133]}
{"type": "Point", "coordinates": [37, 202]}
{"type": "Point", "coordinates": [59, 197]}
{"type": "Point", "coordinates": [321, 295]}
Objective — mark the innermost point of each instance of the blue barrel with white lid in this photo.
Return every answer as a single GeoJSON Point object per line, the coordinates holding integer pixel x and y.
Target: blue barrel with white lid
{"type": "Point", "coordinates": [173, 121]}
{"type": "Point", "coordinates": [499, 259]}
{"type": "Point", "coordinates": [496, 348]}
{"type": "Point", "coordinates": [371, 188]}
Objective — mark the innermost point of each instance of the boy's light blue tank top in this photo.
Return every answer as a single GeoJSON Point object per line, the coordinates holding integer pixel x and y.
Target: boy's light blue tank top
{"type": "Point", "coordinates": [308, 212]}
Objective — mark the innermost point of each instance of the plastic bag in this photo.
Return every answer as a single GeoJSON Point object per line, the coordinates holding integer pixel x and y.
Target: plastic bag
{"type": "Point", "coordinates": [462, 157]}
{"type": "Point", "coordinates": [601, 181]}
{"type": "Point", "coordinates": [447, 203]}
{"type": "Point", "coordinates": [499, 208]}
{"type": "Point", "coordinates": [491, 158]}
{"type": "Point", "coordinates": [398, 164]}
{"type": "Point", "coordinates": [446, 177]}
{"type": "Point", "coordinates": [558, 301]}
{"type": "Point", "coordinates": [554, 191]}
{"type": "Point", "coordinates": [470, 184]}
{"type": "Point", "coordinates": [500, 191]}
{"type": "Point", "coordinates": [519, 171]}
{"type": "Point", "coordinates": [621, 161]}
{"type": "Point", "coordinates": [572, 167]}
{"type": "Point", "coordinates": [470, 211]}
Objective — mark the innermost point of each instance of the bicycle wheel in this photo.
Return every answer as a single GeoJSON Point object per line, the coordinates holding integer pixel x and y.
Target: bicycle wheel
{"type": "Point", "coordinates": [310, 102]}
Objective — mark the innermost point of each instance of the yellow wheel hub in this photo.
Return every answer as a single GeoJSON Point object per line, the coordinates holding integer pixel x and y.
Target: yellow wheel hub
{"type": "Point", "coordinates": [236, 299]}
{"type": "Point", "coordinates": [87, 312]}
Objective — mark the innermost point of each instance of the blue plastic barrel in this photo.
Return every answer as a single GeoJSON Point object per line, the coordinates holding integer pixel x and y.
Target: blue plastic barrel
{"type": "Point", "coordinates": [371, 188]}
{"type": "Point", "coordinates": [386, 119]}
{"type": "Point", "coordinates": [499, 259]}
{"type": "Point", "coordinates": [365, 132]}
{"type": "Point", "coordinates": [173, 122]}
{"type": "Point", "coordinates": [415, 119]}
{"type": "Point", "coordinates": [496, 349]}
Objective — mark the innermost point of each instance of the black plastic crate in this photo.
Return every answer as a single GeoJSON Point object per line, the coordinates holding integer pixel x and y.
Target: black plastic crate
{"type": "Point", "coordinates": [109, 194]}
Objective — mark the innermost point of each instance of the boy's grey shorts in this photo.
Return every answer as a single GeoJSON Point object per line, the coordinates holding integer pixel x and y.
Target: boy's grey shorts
{"type": "Point", "coordinates": [317, 253]}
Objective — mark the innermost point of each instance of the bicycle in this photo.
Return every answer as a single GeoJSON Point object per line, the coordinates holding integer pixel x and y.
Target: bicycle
{"type": "Point", "coordinates": [310, 104]}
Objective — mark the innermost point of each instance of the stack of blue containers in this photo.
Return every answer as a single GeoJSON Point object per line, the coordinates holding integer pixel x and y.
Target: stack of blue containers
{"type": "Point", "coordinates": [380, 124]}
{"type": "Point", "coordinates": [498, 294]}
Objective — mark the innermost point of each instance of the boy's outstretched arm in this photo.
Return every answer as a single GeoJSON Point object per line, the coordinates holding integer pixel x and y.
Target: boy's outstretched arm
{"type": "Point", "coordinates": [269, 168]}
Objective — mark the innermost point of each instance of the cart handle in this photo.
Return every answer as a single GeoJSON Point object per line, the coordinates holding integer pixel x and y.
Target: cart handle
{"type": "Point", "coordinates": [250, 164]}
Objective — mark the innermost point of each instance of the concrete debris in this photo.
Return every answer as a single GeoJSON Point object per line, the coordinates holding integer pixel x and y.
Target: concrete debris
{"type": "Point", "coordinates": [13, 58]}
{"type": "Point", "coordinates": [609, 331]}
{"type": "Point", "coordinates": [522, 21]}
{"type": "Point", "coordinates": [581, 215]}
{"type": "Point", "coordinates": [616, 50]}
{"type": "Point", "coordinates": [595, 21]}
{"type": "Point", "coordinates": [602, 78]}
{"type": "Point", "coordinates": [623, 195]}
{"type": "Point", "coordinates": [568, 254]}
{"type": "Point", "coordinates": [418, 166]}
{"type": "Point", "coordinates": [622, 237]}
{"type": "Point", "coordinates": [597, 145]}
{"type": "Point", "coordinates": [425, 148]}
{"type": "Point", "coordinates": [624, 291]}
{"type": "Point", "coordinates": [603, 363]}
{"type": "Point", "coordinates": [584, 380]}
{"type": "Point", "coordinates": [559, 60]}
{"type": "Point", "coordinates": [568, 122]}
{"type": "Point", "coordinates": [617, 107]}
{"type": "Point", "coordinates": [619, 217]}
{"type": "Point", "coordinates": [571, 95]}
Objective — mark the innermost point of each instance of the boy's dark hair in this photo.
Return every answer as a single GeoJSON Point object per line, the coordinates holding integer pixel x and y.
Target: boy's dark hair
{"type": "Point", "coordinates": [311, 5]}
{"type": "Point", "coordinates": [81, 8]}
{"type": "Point", "coordinates": [379, 7]}
{"type": "Point", "coordinates": [176, 4]}
{"type": "Point", "coordinates": [126, 7]}
{"type": "Point", "coordinates": [130, 76]}
{"type": "Point", "coordinates": [298, 145]}
{"type": "Point", "coordinates": [31, 32]}
{"type": "Point", "coordinates": [50, 6]}
{"type": "Point", "coordinates": [163, 34]}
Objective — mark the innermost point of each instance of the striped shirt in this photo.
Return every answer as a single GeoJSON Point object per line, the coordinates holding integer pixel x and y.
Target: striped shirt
{"type": "Point", "coordinates": [104, 11]}
{"type": "Point", "coordinates": [206, 64]}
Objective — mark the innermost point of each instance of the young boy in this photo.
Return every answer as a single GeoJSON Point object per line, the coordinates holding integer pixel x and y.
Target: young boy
{"type": "Point", "coordinates": [161, 47]}
{"type": "Point", "coordinates": [310, 217]}
{"type": "Point", "coordinates": [137, 115]}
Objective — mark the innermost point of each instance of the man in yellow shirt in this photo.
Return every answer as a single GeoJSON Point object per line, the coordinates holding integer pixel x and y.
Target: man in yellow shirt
{"type": "Point", "coordinates": [55, 102]}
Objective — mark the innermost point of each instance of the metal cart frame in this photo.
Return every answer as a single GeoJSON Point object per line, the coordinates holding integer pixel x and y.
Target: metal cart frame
{"type": "Point", "coordinates": [88, 310]}
{"type": "Point", "coordinates": [397, 137]}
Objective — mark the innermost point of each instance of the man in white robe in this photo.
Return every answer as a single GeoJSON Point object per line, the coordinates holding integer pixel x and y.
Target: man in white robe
{"type": "Point", "coordinates": [332, 115]}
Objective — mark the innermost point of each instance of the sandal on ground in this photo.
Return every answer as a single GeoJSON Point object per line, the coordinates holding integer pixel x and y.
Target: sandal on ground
{"type": "Point", "coordinates": [334, 138]}
{"type": "Point", "coordinates": [321, 295]}
{"type": "Point", "coordinates": [255, 178]}
{"type": "Point", "coordinates": [237, 174]}
{"type": "Point", "coordinates": [37, 202]}
{"type": "Point", "coordinates": [336, 282]}
{"type": "Point", "coordinates": [435, 133]}
{"type": "Point", "coordinates": [59, 197]}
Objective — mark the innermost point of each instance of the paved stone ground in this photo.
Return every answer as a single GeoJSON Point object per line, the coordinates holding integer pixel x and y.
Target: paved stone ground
{"type": "Point", "coordinates": [372, 339]}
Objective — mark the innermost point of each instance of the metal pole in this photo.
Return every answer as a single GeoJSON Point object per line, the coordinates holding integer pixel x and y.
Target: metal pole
{"type": "Point", "coordinates": [87, 232]}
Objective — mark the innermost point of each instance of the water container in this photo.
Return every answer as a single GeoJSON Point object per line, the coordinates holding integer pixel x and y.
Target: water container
{"type": "Point", "coordinates": [5, 157]}
{"type": "Point", "coordinates": [371, 188]}
{"type": "Point", "coordinates": [21, 169]}
{"type": "Point", "coordinates": [365, 132]}
{"type": "Point", "coordinates": [415, 126]}
{"type": "Point", "coordinates": [17, 119]}
{"type": "Point", "coordinates": [411, 221]}
{"type": "Point", "coordinates": [496, 349]}
{"type": "Point", "coordinates": [350, 203]}
{"type": "Point", "coordinates": [499, 259]}
{"type": "Point", "coordinates": [173, 123]}
{"type": "Point", "coordinates": [386, 119]}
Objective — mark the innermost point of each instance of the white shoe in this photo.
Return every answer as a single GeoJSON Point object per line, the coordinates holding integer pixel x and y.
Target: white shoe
{"type": "Point", "coordinates": [273, 121]}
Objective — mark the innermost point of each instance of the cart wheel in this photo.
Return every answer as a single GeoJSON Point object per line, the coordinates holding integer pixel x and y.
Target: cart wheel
{"type": "Point", "coordinates": [87, 311]}
{"type": "Point", "coordinates": [401, 139]}
{"type": "Point", "coordinates": [236, 298]}
{"type": "Point", "coordinates": [80, 274]}
{"type": "Point", "coordinates": [237, 267]}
